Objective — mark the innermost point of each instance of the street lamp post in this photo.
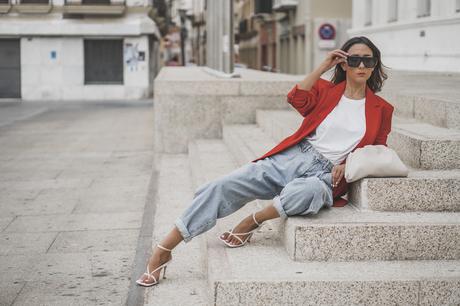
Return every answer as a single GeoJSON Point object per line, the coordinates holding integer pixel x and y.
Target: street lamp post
{"type": "Point", "coordinates": [219, 36]}
{"type": "Point", "coordinates": [183, 34]}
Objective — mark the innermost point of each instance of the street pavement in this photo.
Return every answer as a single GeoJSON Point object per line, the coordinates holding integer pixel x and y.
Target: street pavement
{"type": "Point", "coordinates": [74, 179]}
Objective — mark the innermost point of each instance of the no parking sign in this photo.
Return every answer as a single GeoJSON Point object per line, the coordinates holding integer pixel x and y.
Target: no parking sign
{"type": "Point", "coordinates": [326, 32]}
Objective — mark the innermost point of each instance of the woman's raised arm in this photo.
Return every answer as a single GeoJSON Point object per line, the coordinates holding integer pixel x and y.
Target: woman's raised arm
{"type": "Point", "coordinates": [333, 58]}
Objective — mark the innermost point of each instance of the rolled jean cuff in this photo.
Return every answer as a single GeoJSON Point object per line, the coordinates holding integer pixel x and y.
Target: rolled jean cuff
{"type": "Point", "coordinates": [183, 230]}
{"type": "Point", "coordinates": [279, 207]}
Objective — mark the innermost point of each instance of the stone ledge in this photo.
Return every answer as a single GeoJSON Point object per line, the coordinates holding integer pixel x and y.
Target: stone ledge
{"type": "Point", "coordinates": [191, 103]}
{"type": "Point", "coordinates": [346, 234]}
{"type": "Point", "coordinates": [420, 191]}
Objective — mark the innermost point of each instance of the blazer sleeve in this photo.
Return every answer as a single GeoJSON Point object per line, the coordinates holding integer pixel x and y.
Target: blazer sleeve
{"type": "Point", "coordinates": [385, 127]}
{"type": "Point", "coordinates": [305, 100]}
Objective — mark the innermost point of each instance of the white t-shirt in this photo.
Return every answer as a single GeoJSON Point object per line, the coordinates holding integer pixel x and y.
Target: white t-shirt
{"type": "Point", "coordinates": [341, 130]}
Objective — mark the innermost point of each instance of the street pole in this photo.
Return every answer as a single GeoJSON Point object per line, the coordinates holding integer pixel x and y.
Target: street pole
{"type": "Point", "coordinates": [219, 39]}
{"type": "Point", "coordinates": [183, 35]}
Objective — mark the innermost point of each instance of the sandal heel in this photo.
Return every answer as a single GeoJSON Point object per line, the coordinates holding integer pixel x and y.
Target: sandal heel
{"type": "Point", "coordinates": [242, 242]}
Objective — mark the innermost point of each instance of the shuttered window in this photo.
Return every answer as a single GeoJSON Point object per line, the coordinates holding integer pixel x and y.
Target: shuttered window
{"type": "Point", "coordinates": [368, 13]}
{"type": "Point", "coordinates": [392, 10]}
{"type": "Point", "coordinates": [104, 61]}
{"type": "Point", "coordinates": [423, 8]}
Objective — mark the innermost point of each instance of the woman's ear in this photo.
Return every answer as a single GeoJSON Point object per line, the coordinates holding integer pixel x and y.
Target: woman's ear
{"type": "Point", "coordinates": [344, 66]}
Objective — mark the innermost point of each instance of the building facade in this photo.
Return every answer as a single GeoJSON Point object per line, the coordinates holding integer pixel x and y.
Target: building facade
{"type": "Point", "coordinates": [308, 30]}
{"type": "Point", "coordinates": [77, 49]}
{"type": "Point", "coordinates": [290, 36]}
{"type": "Point", "coordinates": [412, 34]}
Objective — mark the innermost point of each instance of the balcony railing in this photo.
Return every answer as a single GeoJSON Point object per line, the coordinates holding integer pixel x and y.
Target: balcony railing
{"type": "Point", "coordinates": [43, 2]}
{"type": "Point", "coordinates": [33, 6]}
{"type": "Point", "coordinates": [95, 2]}
{"type": "Point", "coordinates": [284, 5]}
{"type": "Point", "coordinates": [95, 7]}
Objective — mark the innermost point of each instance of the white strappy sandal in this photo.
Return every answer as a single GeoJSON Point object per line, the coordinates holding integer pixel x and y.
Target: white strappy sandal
{"type": "Point", "coordinates": [150, 274]}
{"type": "Point", "coordinates": [242, 242]}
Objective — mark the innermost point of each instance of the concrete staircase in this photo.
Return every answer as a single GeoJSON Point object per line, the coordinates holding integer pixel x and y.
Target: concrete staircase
{"type": "Point", "coordinates": [390, 246]}
{"type": "Point", "coordinates": [396, 243]}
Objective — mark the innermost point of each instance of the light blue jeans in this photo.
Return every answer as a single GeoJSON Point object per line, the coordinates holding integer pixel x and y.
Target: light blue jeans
{"type": "Point", "coordinates": [298, 180]}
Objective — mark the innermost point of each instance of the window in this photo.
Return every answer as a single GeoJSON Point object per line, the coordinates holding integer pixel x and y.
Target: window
{"type": "Point", "coordinates": [103, 61]}
{"type": "Point", "coordinates": [263, 6]}
{"type": "Point", "coordinates": [423, 8]}
{"type": "Point", "coordinates": [368, 13]}
{"type": "Point", "coordinates": [392, 10]}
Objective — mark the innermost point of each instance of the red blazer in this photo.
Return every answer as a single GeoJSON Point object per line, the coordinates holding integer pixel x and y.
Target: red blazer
{"type": "Point", "coordinates": [315, 104]}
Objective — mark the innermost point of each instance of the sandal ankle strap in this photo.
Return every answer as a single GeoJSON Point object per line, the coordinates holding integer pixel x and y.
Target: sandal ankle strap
{"type": "Point", "coordinates": [163, 248]}
{"type": "Point", "coordinates": [254, 218]}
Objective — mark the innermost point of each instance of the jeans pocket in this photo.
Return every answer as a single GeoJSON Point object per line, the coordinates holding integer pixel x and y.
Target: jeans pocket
{"type": "Point", "coordinates": [327, 178]}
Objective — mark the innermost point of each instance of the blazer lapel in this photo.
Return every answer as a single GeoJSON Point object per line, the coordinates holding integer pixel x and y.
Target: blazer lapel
{"type": "Point", "coordinates": [373, 117]}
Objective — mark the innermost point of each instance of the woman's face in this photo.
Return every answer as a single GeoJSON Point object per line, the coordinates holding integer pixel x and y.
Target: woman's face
{"type": "Point", "coordinates": [358, 74]}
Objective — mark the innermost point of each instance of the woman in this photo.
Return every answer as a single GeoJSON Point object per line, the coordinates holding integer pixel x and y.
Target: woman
{"type": "Point", "coordinates": [305, 171]}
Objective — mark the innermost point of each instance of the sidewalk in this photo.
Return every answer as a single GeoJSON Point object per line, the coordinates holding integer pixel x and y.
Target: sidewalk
{"type": "Point", "coordinates": [73, 185]}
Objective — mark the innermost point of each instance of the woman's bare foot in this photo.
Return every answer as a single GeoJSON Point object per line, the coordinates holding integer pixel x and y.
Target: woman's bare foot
{"type": "Point", "coordinates": [158, 258]}
{"type": "Point", "coordinates": [246, 225]}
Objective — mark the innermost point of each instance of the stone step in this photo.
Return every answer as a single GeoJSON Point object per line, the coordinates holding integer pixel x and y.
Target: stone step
{"type": "Point", "coordinates": [430, 97]}
{"type": "Point", "coordinates": [424, 146]}
{"type": "Point", "coordinates": [440, 188]}
{"type": "Point", "coordinates": [433, 110]}
{"type": "Point", "coordinates": [261, 273]}
{"type": "Point", "coordinates": [419, 145]}
{"type": "Point", "coordinates": [422, 190]}
{"type": "Point", "coordinates": [355, 234]}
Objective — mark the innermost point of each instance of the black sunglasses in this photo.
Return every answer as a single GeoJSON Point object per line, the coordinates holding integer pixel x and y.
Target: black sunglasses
{"type": "Point", "coordinates": [354, 61]}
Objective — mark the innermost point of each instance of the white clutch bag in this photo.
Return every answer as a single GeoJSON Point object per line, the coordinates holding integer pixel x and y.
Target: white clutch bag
{"type": "Point", "coordinates": [373, 161]}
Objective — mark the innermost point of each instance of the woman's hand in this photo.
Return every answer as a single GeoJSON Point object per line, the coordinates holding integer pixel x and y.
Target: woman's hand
{"type": "Point", "coordinates": [337, 174]}
{"type": "Point", "coordinates": [333, 58]}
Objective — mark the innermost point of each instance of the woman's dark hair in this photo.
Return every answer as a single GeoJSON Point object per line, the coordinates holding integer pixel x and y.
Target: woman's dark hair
{"type": "Point", "coordinates": [378, 76]}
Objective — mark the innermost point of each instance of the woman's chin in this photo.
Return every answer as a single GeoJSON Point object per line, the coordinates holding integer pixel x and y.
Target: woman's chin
{"type": "Point", "coordinates": [360, 79]}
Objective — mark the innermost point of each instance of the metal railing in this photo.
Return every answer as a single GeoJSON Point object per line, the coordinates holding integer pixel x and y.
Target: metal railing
{"type": "Point", "coordinates": [95, 2]}
{"type": "Point", "coordinates": [34, 2]}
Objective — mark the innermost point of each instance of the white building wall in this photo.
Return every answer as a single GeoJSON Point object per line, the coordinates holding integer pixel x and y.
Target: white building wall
{"type": "Point", "coordinates": [413, 43]}
{"type": "Point", "coordinates": [62, 78]}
